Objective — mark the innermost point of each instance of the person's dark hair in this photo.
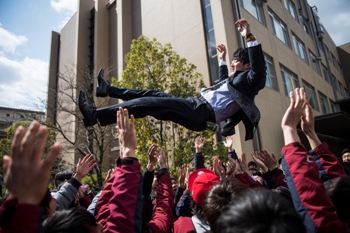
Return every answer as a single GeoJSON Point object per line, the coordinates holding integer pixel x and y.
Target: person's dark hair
{"type": "Point", "coordinates": [252, 163]}
{"type": "Point", "coordinates": [345, 151]}
{"type": "Point", "coordinates": [339, 192]}
{"type": "Point", "coordinates": [70, 220]}
{"type": "Point", "coordinates": [63, 175]}
{"type": "Point", "coordinates": [283, 192]}
{"type": "Point", "coordinates": [241, 54]}
{"type": "Point", "coordinates": [45, 203]}
{"type": "Point", "coordinates": [219, 196]}
{"type": "Point", "coordinates": [259, 210]}
{"type": "Point", "coordinates": [198, 211]}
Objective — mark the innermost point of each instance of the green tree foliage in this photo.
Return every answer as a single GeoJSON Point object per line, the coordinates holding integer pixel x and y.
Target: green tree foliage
{"type": "Point", "coordinates": [5, 145]}
{"type": "Point", "coordinates": [151, 65]}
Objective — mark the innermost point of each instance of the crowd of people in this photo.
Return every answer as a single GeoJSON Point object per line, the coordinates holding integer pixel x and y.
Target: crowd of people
{"type": "Point", "coordinates": [304, 191]}
{"type": "Point", "coordinates": [309, 194]}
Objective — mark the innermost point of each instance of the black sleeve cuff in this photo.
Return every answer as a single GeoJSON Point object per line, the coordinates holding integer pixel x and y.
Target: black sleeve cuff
{"type": "Point", "coordinates": [76, 184]}
{"type": "Point", "coordinates": [163, 171]}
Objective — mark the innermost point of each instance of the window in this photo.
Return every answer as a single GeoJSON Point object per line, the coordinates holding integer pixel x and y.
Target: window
{"type": "Point", "coordinates": [299, 48]}
{"type": "Point", "coordinates": [279, 29]}
{"type": "Point", "coordinates": [334, 83]}
{"type": "Point", "coordinates": [333, 106]}
{"type": "Point", "coordinates": [324, 103]}
{"type": "Point", "coordinates": [7, 114]}
{"type": "Point", "coordinates": [315, 63]}
{"type": "Point", "coordinates": [325, 74]}
{"type": "Point", "coordinates": [310, 95]}
{"type": "Point", "coordinates": [290, 6]}
{"type": "Point", "coordinates": [271, 80]}
{"type": "Point", "coordinates": [341, 88]}
{"type": "Point", "coordinates": [254, 7]}
{"type": "Point", "coordinates": [326, 50]}
{"type": "Point", "coordinates": [306, 26]}
{"type": "Point", "coordinates": [211, 43]}
{"type": "Point", "coordinates": [340, 69]}
{"type": "Point", "coordinates": [334, 60]}
{"type": "Point", "coordinates": [290, 80]}
{"type": "Point", "coordinates": [346, 92]}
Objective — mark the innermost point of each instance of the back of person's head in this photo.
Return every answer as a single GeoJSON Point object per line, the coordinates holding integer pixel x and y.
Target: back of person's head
{"type": "Point", "coordinates": [283, 192]}
{"type": "Point", "coordinates": [71, 220]}
{"type": "Point", "coordinates": [241, 54]}
{"type": "Point", "coordinates": [339, 192]}
{"type": "Point", "coordinates": [259, 210]}
{"type": "Point", "coordinates": [62, 176]}
{"type": "Point", "coordinates": [219, 196]}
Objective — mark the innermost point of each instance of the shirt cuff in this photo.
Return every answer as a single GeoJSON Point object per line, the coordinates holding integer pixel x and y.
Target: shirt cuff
{"type": "Point", "coordinates": [223, 63]}
{"type": "Point", "coordinates": [252, 43]}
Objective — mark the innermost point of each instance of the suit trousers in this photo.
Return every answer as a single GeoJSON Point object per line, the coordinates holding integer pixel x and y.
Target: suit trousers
{"type": "Point", "coordinates": [192, 113]}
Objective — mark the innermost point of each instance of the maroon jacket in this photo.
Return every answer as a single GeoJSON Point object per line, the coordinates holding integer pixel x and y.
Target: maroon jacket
{"type": "Point", "coordinates": [307, 190]}
{"type": "Point", "coordinates": [163, 210]}
{"type": "Point", "coordinates": [20, 218]}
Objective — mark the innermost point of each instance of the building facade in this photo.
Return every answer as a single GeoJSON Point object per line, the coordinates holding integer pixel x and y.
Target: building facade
{"type": "Point", "coordinates": [298, 51]}
{"type": "Point", "coordinates": [9, 116]}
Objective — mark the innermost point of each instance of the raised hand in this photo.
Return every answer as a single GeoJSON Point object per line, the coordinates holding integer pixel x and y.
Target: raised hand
{"type": "Point", "coordinates": [84, 166]}
{"type": "Point", "coordinates": [231, 167]}
{"type": "Point", "coordinates": [109, 173]}
{"type": "Point", "coordinates": [152, 154]}
{"type": "Point", "coordinates": [198, 144]}
{"type": "Point", "coordinates": [292, 115]}
{"type": "Point", "coordinates": [218, 168]}
{"type": "Point", "coordinates": [244, 27]}
{"type": "Point", "coordinates": [257, 158]}
{"type": "Point", "coordinates": [269, 159]}
{"type": "Point", "coordinates": [244, 164]}
{"type": "Point", "coordinates": [228, 143]}
{"type": "Point", "coordinates": [127, 134]}
{"type": "Point", "coordinates": [308, 126]}
{"type": "Point", "coordinates": [183, 173]}
{"type": "Point", "coordinates": [222, 51]}
{"type": "Point", "coordinates": [162, 159]}
{"type": "Point", "coordinates": [26, 175]}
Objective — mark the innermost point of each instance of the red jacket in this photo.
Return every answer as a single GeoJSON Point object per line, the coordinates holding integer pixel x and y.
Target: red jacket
{"type": "Point", "coordinates": [308, 192]}
{"type": "Point", "coordinates": [163, 210]}
{"type": "Point", "coordinates": [20, 218]}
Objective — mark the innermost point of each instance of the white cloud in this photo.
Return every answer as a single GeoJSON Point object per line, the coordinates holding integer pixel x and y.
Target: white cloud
{"type": "Point", "coordinates": [23, 82]}
{"type": "Point", "coordinates": [64, 5]}
{"type": "Point", "coordinates": [10, 41]}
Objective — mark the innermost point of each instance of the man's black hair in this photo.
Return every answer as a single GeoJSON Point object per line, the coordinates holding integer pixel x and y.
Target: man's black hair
{"type": "Point", "coordinates": [252, 163]}
{"type": "Point", "coordinates": [260, 210]}
{"type": "Point", "coordinates": [242, 55]}
{"type": "Point", "coordinates": [63, 175]}
{"type": "Point", "coordinates": [70, 220]}
{"type": "Point", "coordinates": [339, 192]}
{"type": "Point", "coordinates": [346, 150]}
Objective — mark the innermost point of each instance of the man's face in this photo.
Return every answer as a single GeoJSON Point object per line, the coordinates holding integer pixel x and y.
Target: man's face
{"type": "Point", "coordinates": [237, 65]}
{"type": "Point", "coordinates": [346, 157]}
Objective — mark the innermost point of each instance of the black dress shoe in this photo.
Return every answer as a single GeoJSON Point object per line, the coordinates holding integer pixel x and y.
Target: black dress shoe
{"type": "Point", "coordinates": [102, 85]}
{"type": "Point", "coordinates": [87, 110]}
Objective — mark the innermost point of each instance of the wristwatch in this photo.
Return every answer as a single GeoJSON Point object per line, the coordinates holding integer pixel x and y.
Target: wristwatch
{"type": "Point", "coordinates": [250, 37]}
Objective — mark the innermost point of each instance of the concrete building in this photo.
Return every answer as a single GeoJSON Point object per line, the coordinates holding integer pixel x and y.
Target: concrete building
{"type": "Point", "coordinates": [9, 116]}
{"type": "Point", "coordinates": [298, 52]}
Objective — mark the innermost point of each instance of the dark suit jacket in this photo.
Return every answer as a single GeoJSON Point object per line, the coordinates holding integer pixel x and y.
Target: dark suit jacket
{"type": "Point", "coordinates": [244, 86]}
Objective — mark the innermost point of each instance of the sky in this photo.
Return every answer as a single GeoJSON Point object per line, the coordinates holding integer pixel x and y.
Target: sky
{"type": "Point", "coordinates": [25, 37]}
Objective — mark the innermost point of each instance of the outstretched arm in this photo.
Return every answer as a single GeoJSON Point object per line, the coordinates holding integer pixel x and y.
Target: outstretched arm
{"type": "Point", "coordinates": [307, 190]}
{"type": "Point", "coordinates": [125, 204]}
{"type": "Point", "coordinates": [26, 176]}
